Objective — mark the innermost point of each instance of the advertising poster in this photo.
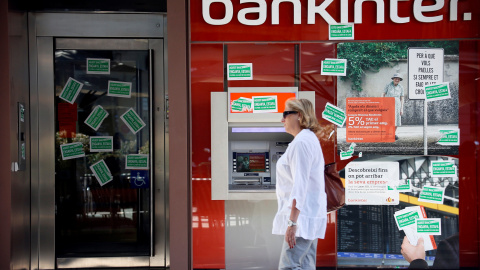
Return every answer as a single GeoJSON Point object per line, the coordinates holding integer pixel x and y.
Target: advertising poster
{"type": "Point", "coordinates": [423, 84]}
{"type": "Point", "coordinates": [259, 102]}
{"type": "Point", "coordinates": [366, 183]}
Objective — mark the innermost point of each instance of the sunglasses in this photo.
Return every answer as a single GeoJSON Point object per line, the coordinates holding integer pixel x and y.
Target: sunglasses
{"type": "Point", "coordinates": [286, 113]}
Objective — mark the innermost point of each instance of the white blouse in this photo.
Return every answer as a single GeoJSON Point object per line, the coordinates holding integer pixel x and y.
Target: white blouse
{"type": "Point", "coordinates": [300, 176]}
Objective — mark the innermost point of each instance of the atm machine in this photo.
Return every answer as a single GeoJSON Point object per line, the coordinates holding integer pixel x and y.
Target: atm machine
{"type": "Point", "coordinates": [248, 138]}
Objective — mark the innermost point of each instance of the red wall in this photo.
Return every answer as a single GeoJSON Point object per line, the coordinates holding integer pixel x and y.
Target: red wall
{"type": "Point", "coordinates": [369, 29]}
{"type": "Point", "coordinates": [274, 65]}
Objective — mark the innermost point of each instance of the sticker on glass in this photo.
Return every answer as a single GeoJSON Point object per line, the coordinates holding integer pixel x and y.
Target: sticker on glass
{"type": "Point", "coordinates": [96, 117]}
{"type": "Point", "coordinates": [101, 144]}
{"type": "Point", "coordinates": [334, 67]}
{"type": "Point", "coordinates": [72, 150]}
{"type": "Point", "coordinates": [432, 195]}
{"type": "Point", "coordinates": [136, 162]}
{"type": "Point", "coordinates": [334, 114]}
{"type": "Point", "coordinates": [133, 121]}
{"type": "Point", "coordinates": [71, 90]}
{"type": "Point", "coordinates": [98, 66]}
{"type": "Point", "coordinates": [101, 172]}
{"type": "Point", "coordinates": [119, 89]}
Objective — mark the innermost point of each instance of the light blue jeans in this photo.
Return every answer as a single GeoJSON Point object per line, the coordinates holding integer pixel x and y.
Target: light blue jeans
{"type": "Point", "coordinates": [302, 256]}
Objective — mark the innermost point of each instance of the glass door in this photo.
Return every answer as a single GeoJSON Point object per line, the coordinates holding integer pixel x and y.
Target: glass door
{"type": "Point", "coordinates": [103, 152]}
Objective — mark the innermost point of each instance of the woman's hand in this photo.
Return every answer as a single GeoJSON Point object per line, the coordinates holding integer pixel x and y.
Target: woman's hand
{"type": "Point", "coordinates": [290, 236]}
{"type": "Point", "coordinates": [401, 111]}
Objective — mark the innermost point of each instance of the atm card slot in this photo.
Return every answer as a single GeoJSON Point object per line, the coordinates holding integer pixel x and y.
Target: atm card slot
{"type": "Point", "coordinates": [247, 181]}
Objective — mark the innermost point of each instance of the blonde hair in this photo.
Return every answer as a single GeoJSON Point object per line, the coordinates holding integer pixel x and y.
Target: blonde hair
{"type": "Point", "coordinates": [308, 119]}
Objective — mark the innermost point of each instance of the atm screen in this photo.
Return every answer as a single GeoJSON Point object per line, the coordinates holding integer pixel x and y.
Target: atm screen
{"type": "Point", "coordinates": [251, 162]}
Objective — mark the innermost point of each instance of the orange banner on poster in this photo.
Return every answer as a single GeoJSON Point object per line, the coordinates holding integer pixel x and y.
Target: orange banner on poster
{"type": "Point", "coordinates": [370, 120]}
{"type": "Point", "coordinates": [282, 97]}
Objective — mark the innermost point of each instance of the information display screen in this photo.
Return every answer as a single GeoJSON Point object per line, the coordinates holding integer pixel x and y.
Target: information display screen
{"type": "Point", "coordinates": [368, 231]}
{"type": "Point", "coordinates": [251, 162]}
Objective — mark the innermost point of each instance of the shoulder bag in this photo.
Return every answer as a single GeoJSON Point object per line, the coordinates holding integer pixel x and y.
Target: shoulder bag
{"type": "Point", "coordinates": [333, 188]}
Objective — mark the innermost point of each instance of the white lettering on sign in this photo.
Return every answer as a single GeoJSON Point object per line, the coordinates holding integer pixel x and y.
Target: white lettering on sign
{"type": "Point", "coordinates": [420, 11]}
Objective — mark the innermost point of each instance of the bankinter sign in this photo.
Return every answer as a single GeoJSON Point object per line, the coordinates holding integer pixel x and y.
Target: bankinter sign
{"type": "Point", "coordinates": [423, 11]}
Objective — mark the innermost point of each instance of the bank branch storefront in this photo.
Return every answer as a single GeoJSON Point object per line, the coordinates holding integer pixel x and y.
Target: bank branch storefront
{"type": "Point", "coordinates": [395, 87]}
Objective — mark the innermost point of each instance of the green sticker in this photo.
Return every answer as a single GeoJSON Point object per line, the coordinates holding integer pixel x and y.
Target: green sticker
{"type": "Point", "coordinates": [71, 90]}
{"type": "Point", "coordinates": [346, 154]}
{"type": "Point", "coordinates": [98, 66]}
{"type": "Point", "coordinates": [101, 172]}
{"type": "Point", "coordinates": [265, 104]}
{"type": "Point", "coordinates": [22, 112]}
{"type": "Point", "coordinates": [23, 151]}
{"type": "Point", "coordinates": [449, 137]}
{"type": "Point", "coordinates": [443, 169]}
{"type": "Point", "coordinates": [101, 144]}
{"type": "Point", "coordinates": [119, 89]}
{"type": "Point", "coordinates": [340, 31]}
{"type": "Point", "coordinates": [334, 115]}
{"type": "Point", "coordinates": [406, 219]}
{"type": "Point", "coordinates": [242, 105]}
{"type": "Point", "coordinates": [96, 117]}
{"type": "Point", "coordinates": [133, 121]}
{"type": "Point", "coordinates": [407, 187]}
{"type": "Point", "coordinates": [240, 71]}
{"type": "Point", "coordinates": [432, 195]}
{"type": "Point", "coordinates": [432, 226]}
{"type": "Point", "coordinates": [72, 150]}
{"type": "Point", "coordinates": [437, 92]}
{"type": "Point", "coordinates": [334, 67]}
{"type": "Point", "coordinates": [137, 162]}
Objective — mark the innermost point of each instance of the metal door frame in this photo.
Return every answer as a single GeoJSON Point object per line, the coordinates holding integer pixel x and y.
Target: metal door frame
{"type": "Point", "coordinates": [80, 31]}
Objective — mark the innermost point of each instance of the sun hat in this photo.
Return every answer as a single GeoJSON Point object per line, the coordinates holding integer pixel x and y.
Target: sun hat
{"type": "Point", "coordinates": [397, 75]}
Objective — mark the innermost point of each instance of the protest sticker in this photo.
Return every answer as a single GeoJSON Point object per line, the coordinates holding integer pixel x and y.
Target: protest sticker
{"type": "Point", "coordinates": [425, 68]}
{"type": "Point", "coordinates": [406, 186]}
{"type": "Point", "coordinates": [239, 71]}
{"type": "Point", "coordinates": [445, 168]}
{"type": "Point", "coordinates": [341, 31]}
{"type": "Point", "coordinates": [437, 92]}
{"type": "Point", "coordinates": [406, 222]}
{"type": "Point", "coordinates": [96, 117]}
{"type": "Point", "coordinates": [449, 137]}
{"type": "Point", "coordinates": [405, 218]}
{"type": "Point", "coordinates": [119, 89]}
{"type": "Point", "coordinates": [349, 153]}
{"type": "Point", "coordinates": [71, 90]}
{"type": "Point", "coordinates": [136, 162]}
{"type": "Point", "coordinates": [370, 119]}
{"type": "Point", "coordinates": [98, 66]}
{"type": "Point", "coordinates": [431, 226]}
{"type": "Point", "coordinates": [101, 172]}
{"type": "Point", "coordinates": [265, 104]}
{"type": "Point", "coordinates": [334, 67]}
{"type": "Point", "coordinates": [432, 195]}
{"type": "Point", "coordinates": [101, 144]}
{"type": "Point", "coordinates": [133, 121]}
{"type": "Point", "coordinates": [242, 105]}
{"type": "Point", "coordinates": [72, 150]}
{"type": "Point", "coordinates": [366, 183]}
{"type": "Point", "coordinates": [334, 114]}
